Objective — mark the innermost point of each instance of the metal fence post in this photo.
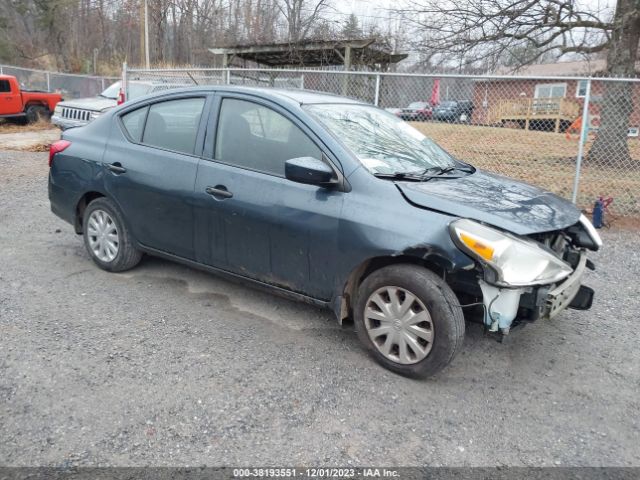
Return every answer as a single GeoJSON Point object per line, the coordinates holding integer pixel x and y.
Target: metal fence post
{"type": "Point", "coordinates": [228, 76]}
{"type": "Point", "coordinates": [48, 82]}
{"type": "Point", "coordinates": [376, 98]}
{"type": "Point", "coordinates": [102, 83]}
{"type": "Point", "coordinates": [584, 131]}
{"type": "Point", "coordinates": [124, 80]}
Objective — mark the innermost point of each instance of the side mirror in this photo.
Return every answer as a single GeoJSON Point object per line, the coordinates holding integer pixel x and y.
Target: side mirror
{"type": "Point", "coordinates": [310, 171]}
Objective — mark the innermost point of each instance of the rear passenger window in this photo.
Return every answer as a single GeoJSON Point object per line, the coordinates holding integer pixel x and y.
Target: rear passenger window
{"type": "Point", "coordinates": [134, 123]}
{"type": "Point", "coordinates": [174, 124]}
{"type": "Point", "coordinates": [4, 86]}
{"type": "Point", "coordinates": [258, 138]}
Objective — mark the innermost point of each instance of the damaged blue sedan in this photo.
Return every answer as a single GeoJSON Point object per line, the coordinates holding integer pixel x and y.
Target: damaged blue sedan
{"type": "Point", "coordinates": [327, 200]}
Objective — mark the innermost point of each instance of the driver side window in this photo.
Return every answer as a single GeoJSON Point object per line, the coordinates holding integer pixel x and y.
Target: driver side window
{"type": "Point", "coordinates": [258, 138]}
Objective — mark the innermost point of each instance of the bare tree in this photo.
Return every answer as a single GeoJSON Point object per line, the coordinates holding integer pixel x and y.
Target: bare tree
{"type": "Point", "coordinates": [300, 16]}
{"type": "Point", "coordinates": [485, 30]}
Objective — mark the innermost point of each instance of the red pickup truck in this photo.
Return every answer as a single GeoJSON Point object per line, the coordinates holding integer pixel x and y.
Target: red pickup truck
{"type": "Point", "coordinates": [24, 104]}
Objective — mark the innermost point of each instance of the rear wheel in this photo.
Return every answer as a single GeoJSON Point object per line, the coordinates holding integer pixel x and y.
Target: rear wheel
{"type": "Point", "coordinates": [106, 237]}
{"type": "Point", "coordinates": [34, 113]}
{"type": "Point", "coordinates": [409, 320]}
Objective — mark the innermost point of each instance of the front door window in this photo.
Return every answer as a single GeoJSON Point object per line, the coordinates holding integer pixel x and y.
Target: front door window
{"type": "Point", "coordinates": [258, 138]}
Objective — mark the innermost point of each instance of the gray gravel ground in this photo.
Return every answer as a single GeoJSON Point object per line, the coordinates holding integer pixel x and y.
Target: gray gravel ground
{"type": "Point", "coordinates": [165, 365]}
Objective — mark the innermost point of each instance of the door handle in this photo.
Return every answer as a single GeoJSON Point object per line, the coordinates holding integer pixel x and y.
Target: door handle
{"type": "Point", "coordinates": [116, 167]}
{"type": "Point", "coordinates": [219, 192]}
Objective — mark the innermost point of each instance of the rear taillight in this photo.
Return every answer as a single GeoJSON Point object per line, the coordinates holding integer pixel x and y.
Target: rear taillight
{"type": "Point", "coordinates": [121, 98]}
{"type": "Point", "coordinates": [57, 147]}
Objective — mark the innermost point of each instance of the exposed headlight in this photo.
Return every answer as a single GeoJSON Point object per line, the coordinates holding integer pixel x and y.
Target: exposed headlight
{"type": "Point", "coordinates": [513, 260]}
{"type": "Point", "coordinates": [57, 110]}
{"type": "Point", "coordinates": [94, 115]}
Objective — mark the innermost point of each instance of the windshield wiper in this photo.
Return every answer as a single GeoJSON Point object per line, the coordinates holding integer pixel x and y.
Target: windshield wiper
{"type": "Point", "coordinates": [437, 171]}
{"type": "Point", "coordinates": [400, 176]}
{"type": "Point", "coordinates": [423, 175]}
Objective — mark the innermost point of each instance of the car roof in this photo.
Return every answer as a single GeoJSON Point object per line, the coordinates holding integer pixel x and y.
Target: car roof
{"type": "Point", "coordinates": [297, 96]}
{"type": "Point", "coordinates": [309, 96]}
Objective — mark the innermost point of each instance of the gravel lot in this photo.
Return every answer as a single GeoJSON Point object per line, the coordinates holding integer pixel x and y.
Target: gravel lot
{"type": "Point", "coordinates": [165, 365]}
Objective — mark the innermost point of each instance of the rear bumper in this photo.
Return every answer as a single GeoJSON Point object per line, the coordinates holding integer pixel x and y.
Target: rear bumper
{"type": "Point", "coordinates": [445, 115]}
{"type": "Point", "coordinates": [62, 203]}
{"type": "Point", "coordinates": [414, 116]}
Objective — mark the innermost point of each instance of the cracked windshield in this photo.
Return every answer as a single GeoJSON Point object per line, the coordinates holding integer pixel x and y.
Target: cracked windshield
{"type": "Point", "coordinates": [383, 143]}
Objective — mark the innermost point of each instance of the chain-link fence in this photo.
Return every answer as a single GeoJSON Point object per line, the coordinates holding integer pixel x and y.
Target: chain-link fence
{"type": "Point", "coordinates": [69, 85]}
{"type": "Point", "coordinates": [577, 137]}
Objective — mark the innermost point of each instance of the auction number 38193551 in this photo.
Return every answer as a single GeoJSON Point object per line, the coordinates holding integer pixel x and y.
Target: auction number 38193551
{"type": "Point", "coordinates": [314, 472]}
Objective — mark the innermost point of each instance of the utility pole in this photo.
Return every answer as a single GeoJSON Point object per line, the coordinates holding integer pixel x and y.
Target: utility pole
{"type": "Point", "coordinates": [141, 14]}
{"type": "Point", "coordinates": [95, 61]}
{"type": "Point", "coordinates": [146, 34]}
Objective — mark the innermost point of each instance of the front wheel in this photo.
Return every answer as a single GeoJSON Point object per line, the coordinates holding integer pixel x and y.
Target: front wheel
{"type": "Point", "coordinates": [409, 320]}
{"type": "Point", "coordinates": [107, 238]}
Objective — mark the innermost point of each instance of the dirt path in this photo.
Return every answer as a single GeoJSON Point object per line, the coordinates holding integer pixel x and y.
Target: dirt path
{"type": "Point", "coordinates": [37, 140]}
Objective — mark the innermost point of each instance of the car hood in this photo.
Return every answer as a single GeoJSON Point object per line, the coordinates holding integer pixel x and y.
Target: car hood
{"type": "Point", "coordinates": [92, 103]}
{"type": "Point", "coordinates": [499, 201]}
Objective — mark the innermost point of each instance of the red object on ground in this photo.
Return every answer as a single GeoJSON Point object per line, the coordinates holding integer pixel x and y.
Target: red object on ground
{"type": "Point", "coordinates": [606, 202]}
{"type": "Point", "coordinates": [575, 127]}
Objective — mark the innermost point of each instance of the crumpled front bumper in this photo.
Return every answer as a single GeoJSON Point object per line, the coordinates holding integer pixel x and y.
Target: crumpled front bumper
{"type": "Point", "coordinates": [504, 305]}
{"type": "Point", "coordinates": [570, 293]}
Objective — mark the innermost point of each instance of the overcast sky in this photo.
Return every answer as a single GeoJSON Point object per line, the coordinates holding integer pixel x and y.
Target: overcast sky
{"type": "Point", "coordinates": [370, 11]}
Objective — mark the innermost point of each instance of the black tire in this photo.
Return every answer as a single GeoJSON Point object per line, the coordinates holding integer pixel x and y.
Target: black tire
{"type": "Point", "coordinates": [34, 113]}
{"type": "Point", "coordinates": [128, 256]}
{"type": "Point", "coordinates": [440, 301]}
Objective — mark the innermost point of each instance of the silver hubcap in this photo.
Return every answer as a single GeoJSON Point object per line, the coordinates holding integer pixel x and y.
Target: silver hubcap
{"type": "Point", "coordinates": [103, 236]}
{"type": "Point", "coordinates": [399, 325]}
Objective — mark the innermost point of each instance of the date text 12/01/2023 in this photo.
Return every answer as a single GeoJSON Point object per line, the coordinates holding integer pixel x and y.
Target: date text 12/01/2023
{"type": "Point", "coordinates": [315, 472]}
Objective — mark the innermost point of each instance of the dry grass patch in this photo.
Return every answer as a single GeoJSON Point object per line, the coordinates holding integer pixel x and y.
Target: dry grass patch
{"type": "Point", "coordinates": [542, 158]}
{"type": "Point", "coordinates": [41, 147]}
{"type": "Point", "coordinates": [10, 127]}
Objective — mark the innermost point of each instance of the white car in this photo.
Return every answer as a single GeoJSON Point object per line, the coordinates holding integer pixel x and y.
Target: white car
{"type": "Point", "coordinates": [80, 111]}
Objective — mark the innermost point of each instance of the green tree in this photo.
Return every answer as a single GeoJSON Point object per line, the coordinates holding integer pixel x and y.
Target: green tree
{"type": "Point", "coordinates": [351, 27]}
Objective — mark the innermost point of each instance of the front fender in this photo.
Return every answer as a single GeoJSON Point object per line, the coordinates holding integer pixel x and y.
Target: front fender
{"type": "Point", "coordinates": [378, 226]}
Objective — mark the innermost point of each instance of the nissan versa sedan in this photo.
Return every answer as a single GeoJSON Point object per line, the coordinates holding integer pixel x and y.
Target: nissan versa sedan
{"type": "Point", "coordinates": [327, 200]}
